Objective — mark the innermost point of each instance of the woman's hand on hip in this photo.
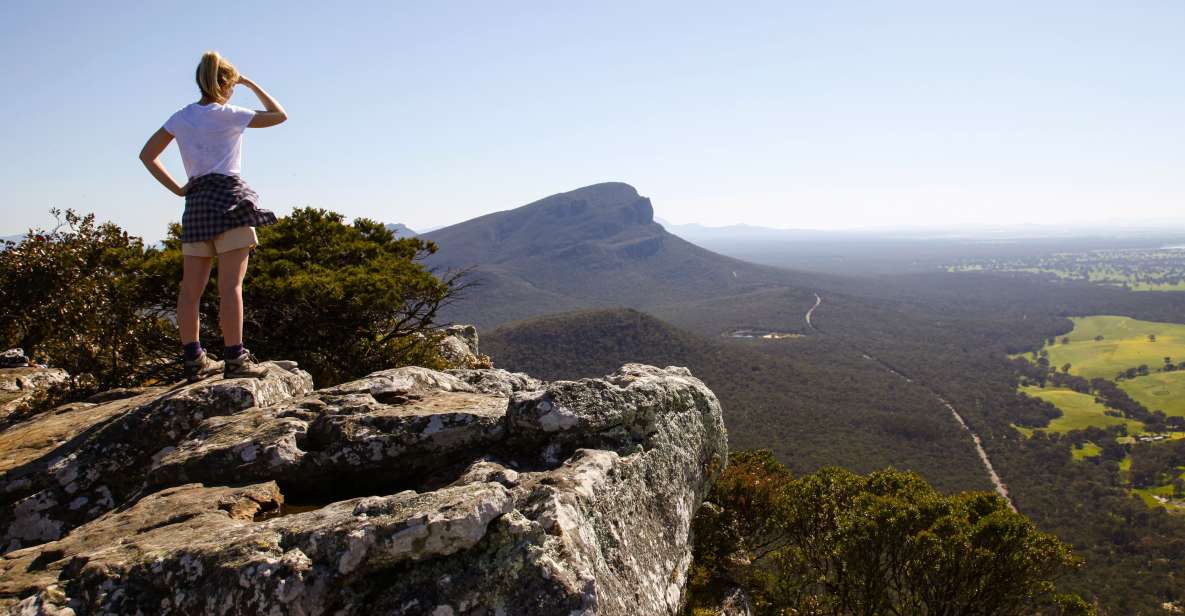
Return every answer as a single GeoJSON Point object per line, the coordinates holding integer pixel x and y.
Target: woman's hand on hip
{"type": "Point", "coordinates": [180, 192]}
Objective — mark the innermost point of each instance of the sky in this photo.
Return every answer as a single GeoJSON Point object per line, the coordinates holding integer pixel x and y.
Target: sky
{"type": "Point", "coordinates": [823, 115]}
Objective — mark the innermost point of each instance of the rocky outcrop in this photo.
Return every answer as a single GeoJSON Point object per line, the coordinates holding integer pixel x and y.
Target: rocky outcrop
{"type": "Point", "coordinates": [66, 468]}
{"type": "Point", "coordinates": [459, 347]}
{"type": "Point", "coordinates": [20, 381]}
{"type": "Point", "coordinates": [409, 491]}
{"type": "Point", "coordinates": [13, 358]}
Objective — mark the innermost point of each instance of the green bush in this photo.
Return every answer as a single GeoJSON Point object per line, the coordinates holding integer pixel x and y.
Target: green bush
{"type": "Point", "coordinates": [835, 542]}
{"type": "Point", "coordinates": [76, 297]}
{"type": "Point", "coordinates": [341, 299]}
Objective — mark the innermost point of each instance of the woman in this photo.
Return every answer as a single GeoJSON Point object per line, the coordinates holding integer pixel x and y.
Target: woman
{"type": "Point", "coordinates": [220, 209]}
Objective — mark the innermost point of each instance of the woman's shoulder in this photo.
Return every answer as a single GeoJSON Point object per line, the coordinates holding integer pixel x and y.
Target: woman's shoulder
{"type": "Point", "coordinates": [212, 115]}
{"type": "Point", "coordinates": [184, 111]}
{"type": "Point", "coordinates": [176, 118]}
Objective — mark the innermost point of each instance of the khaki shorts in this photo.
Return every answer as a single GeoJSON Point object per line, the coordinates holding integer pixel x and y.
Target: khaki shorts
{"type": "Point", "coordinates": [234, 239]}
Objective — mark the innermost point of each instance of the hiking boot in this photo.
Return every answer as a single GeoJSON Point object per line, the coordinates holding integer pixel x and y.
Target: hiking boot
{"type": "Point", "coordinates": [245, 366]}
{"type": "Point", "coordinates": [200, 368]}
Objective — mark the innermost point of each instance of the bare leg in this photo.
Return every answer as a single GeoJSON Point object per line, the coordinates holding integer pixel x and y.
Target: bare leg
{"type": "Point", "coordinates": [195, 275]}
{"type": "Point", "coordinates": [232, 266]}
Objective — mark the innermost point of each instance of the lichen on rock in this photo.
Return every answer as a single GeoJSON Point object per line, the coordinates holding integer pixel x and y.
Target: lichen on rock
{"type": "Point", "coordinates": [410, 491]}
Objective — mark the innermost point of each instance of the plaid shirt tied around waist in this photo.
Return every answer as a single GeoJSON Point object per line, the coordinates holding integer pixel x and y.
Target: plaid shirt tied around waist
{"type": "Point", "coordinates": [215, 203]}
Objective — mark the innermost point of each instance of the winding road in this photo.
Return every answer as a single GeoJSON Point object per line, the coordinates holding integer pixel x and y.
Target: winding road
{"type": "Point", "coordinates": [1001, 489]}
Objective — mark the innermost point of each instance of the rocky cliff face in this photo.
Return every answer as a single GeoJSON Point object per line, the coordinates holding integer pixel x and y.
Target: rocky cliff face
{"type": "Point", "coordinates": [410, 491]}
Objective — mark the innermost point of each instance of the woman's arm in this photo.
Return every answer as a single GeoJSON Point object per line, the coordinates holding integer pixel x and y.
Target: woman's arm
{"type": "Point", "coordinates": [274, 114]}
{"type": "Point", "coordinates": [150, 157]}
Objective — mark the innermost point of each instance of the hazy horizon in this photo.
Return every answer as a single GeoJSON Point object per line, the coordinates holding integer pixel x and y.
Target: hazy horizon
{"type": "Point", "coordinates": [916, 114]}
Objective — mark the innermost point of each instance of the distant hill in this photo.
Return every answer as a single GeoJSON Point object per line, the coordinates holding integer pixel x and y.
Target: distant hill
{"type": "Point", "coordinates": [596, 246]}
{"type": "Point", "coordinates": [811, 406]}
{"type": "Point", "coordinates": [400, 230]}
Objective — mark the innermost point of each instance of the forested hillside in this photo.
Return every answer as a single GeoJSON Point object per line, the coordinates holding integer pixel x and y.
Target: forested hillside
{"type": "Point", "coordinates": [810, 406]}
{"type": "Point", "coordinates": [955, 337]}
{"type": "Point", "coordinates": [863, 389]}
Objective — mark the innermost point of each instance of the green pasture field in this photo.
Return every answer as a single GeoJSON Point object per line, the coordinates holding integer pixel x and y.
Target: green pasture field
{"type": "Point", "coordinates": [1125, 344]}
{"type": "Point", "coordinates": [1079, 411]}
{"type": "Point", "coordinates": [1088, 450]}
{"type": "Point", "coordinates": [1161, 390]}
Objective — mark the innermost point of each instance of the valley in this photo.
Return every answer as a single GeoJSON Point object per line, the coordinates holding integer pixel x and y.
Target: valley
{"type": "Point", "coordinates": [575, 284]}
{"type": "Point", "coordinates": [997, 483]}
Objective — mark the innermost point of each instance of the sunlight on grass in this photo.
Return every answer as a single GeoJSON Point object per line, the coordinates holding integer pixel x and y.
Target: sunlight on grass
{"type": "Point", "coordinates": [1079, 411]}
{"type": "Point", "coordinates": [1104, 346]}
{"type": "Point", "coordinates": [1088, 450]}
{"type": "Point", "coordinates": [1163, 391]}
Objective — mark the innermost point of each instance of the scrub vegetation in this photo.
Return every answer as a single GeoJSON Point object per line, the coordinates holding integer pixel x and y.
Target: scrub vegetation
{"type": "Point", "coordinates": [342, 299]}
{"type": "Point", "coordinates": [834, 542]}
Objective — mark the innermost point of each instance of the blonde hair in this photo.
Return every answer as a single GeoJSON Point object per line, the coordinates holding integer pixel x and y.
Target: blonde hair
{"type": "Point", "coordinates": [216, 76]}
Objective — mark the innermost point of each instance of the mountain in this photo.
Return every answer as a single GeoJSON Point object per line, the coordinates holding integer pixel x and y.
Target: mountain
{"type": "Point", "coordinates": [795, 396]}
{"type": "Point", "coordinates": [596, 246]}
{"type": "Point", "coordinates": [400, 230]}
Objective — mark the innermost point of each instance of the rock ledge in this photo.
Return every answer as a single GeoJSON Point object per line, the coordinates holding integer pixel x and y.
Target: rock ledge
{"type": "Point", "coordinates": [409, 491]}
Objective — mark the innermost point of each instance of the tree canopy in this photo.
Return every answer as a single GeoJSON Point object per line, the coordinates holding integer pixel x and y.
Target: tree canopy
{"type": "Point", "coordinates": [343, 300]}
{"type": "Point", "coordinates": [834, 542]}
{"type": "Point", "coordinates": [78, 296]}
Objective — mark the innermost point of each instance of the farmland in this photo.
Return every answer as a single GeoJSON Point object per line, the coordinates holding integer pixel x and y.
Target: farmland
{"type": "Point", "coordinates": [1153, 269]}
{"type": "Point", "coordinates": [1163, 391]}
{"type": "Point", "coordinates": [1104, 346]}
{"type": "Point", "coordinates": [1079, 411]}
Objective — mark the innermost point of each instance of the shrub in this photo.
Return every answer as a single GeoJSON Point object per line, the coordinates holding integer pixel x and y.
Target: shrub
{"type": "Point", "coordinates": [835, 542]}
{"type": "Point", "coordinates": [343, 300]}
{"type": "Point", "coordinates": [75, 297]}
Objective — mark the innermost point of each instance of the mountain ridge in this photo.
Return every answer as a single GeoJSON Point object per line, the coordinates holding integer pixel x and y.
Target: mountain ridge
{"type": "Point", "coordinates": [594, 247]}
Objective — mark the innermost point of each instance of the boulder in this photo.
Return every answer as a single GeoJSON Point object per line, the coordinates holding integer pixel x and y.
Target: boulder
{"type": "Point", "coordinates": [13, 358]}
{"type": "Point", "coordinates": [459, 347]}
{"type": "Point", "coordinates": [409, 491]}
{"type": "Point", "coordinates": [466, 334]}
{"type": "Point", "coordinates": [21, 382]}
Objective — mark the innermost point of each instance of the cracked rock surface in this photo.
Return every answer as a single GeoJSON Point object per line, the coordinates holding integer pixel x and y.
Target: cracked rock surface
{"type": "Point", "coordinates": [409, 491]}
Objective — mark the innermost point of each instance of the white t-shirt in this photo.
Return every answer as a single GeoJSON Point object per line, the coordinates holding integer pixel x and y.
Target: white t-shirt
{"type": "Point", "coordinates": [210, 137]}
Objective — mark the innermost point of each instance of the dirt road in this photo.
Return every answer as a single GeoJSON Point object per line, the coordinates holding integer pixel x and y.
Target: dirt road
{"type": "Point", "coordinates": [1001, 489]}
